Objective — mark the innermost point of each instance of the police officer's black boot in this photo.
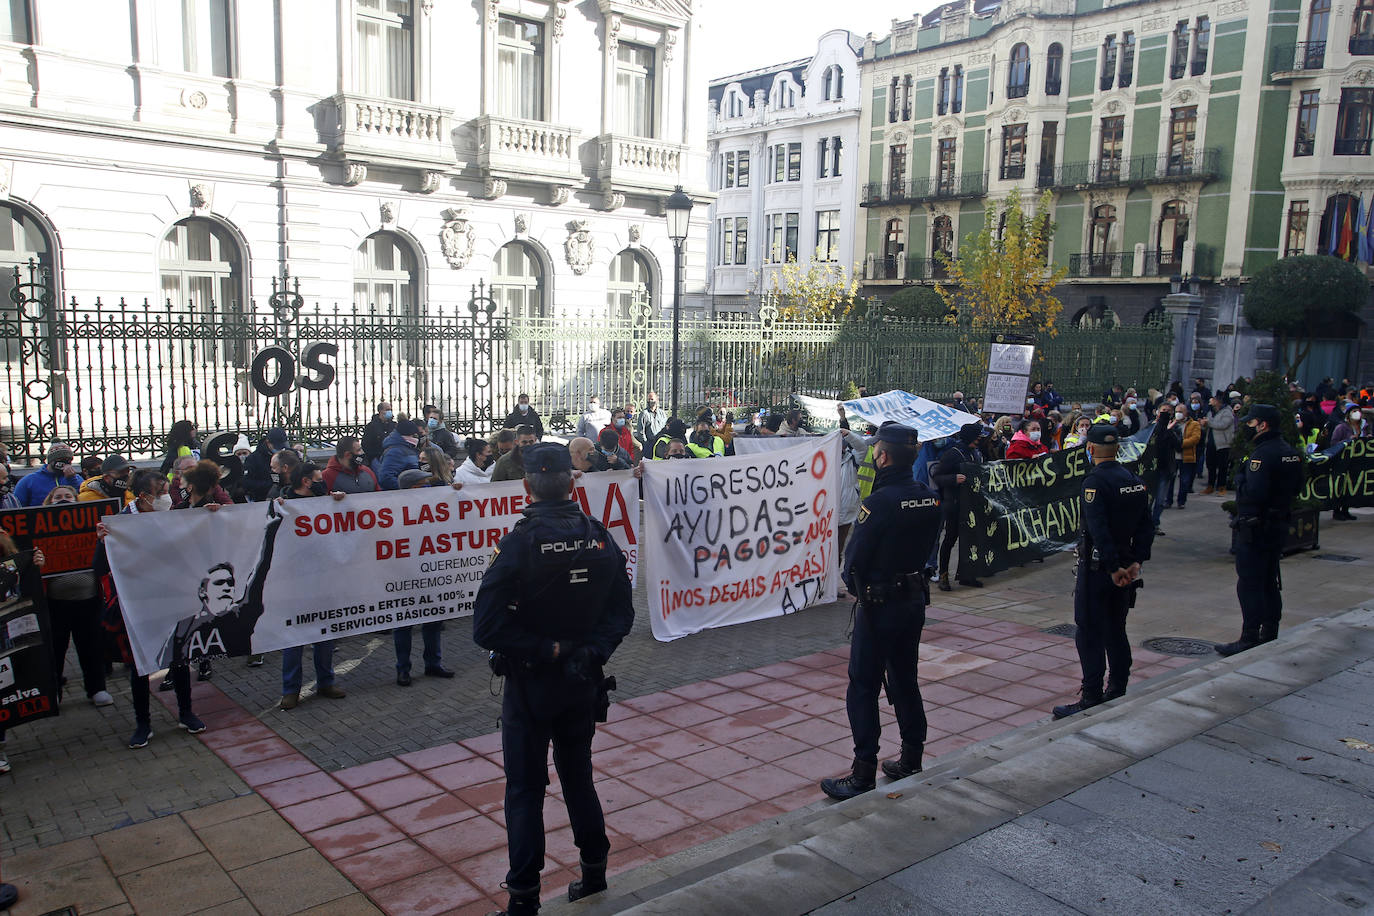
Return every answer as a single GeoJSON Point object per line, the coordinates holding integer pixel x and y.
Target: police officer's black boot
{"type": "Point", "coordinates": [593, 881]}
{"type": "Point", "coordinates": [1088, 697]}
{"type": "Point", "coordinates": [1249, 638]}
{"type": "Point", "coordinates": [524, 902]}
{"type": "Point", "coordinates": [906, 765]}
{"type": "Point", "coordinates": [863, 778]}
{"type": "Point", "coordinates": [1268, 632]}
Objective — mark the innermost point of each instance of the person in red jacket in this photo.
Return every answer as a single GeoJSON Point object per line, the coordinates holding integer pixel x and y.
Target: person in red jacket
{"type": "Point", "coordinates": [624, 434]}
{"type": "Point", "coordinates": [346, 472]}
{"type": "Point", "coordinates": [1026, 443]}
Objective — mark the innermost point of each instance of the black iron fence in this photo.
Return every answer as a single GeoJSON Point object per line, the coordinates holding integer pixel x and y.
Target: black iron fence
{"type": "Point", "coordinates": [114, 376]}
{"type": "Point", "coordinates": [1302, 55]}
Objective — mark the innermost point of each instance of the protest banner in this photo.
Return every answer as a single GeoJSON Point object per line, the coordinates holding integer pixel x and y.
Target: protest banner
{"type": "Point", "coordinates": [929, 419]}
{"type": "Point", "coordinates": [1012, 512]}
{"type": "Point", "coordinates": [1344, 473]}
{"type": "Point", "coordinates": [262, 576]}
{"type": "Point", "coordinates": [65, 533]}
{"type": "Point", "coordinates": [28, 684]}
{"type": "Point", "coordinates": [1009, 368]}
{"type": "Point", "coordinates": [741, 538]}
{"type": "Point", "coordinates": [753, 445]}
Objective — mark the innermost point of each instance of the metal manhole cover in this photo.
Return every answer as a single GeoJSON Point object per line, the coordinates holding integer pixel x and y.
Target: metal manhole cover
{"type": "Point", "coordinates": [1062, 629]}
{"type": "Point", "coordinates": [1334, 557]}
{"type": "Point", "coordinates": [1180, 646]}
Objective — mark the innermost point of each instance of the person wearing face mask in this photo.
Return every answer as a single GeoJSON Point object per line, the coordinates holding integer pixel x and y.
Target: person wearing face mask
{"type": "Point", "coordinates": [585, 456]}
{"type": "Point", "coordinates": [375, 433]}
{"type": "Point", "coordinates": [624, 436]}
{"type": "Point", "coordinates": [476, 468]}
{"type": "Point", "coordinates": [346, 472]}
{"type": "Point", "coordinates": [1132, 416]}
{"type": "Point", "coordinates": [703, 444]}
{"type": "Point", "coordinates": [525, 415]}
{"type": "Point", "coordinates": [1079, 436]}
{"type": "Point", "coordinates": [1026, 442]}
{"type": "Point", "coordinates": [282, 464]}
{"type": "Point", "coordinates": [200, 484]}
{"type": "Point", "coordinates": [1189, 435]}
{"type": "Point", "coordinates": [7, 498]}
{"type": "Point", "coordinates": [258, 476]}
{"type": "Point", "coordinates": [677, 448]}
{"type": "Point", "coordinates": [1353, 426]}
{"type": "Point", "coordinates": [673, 429]}
{"type": "Point", "coordinates": [1221, 431]}
{"type": "Point", "coordinates": [113, 482]}
{"type": "Point", "coordinates": [650, 422]}
{"type": "Point", "coordinates": [181, 443]}
{"type": "Point", "coordinates": [1266, 485]}
{"type": "Point", "coordinates": [74, 613]}
{"type": "Point", "coordinates": [608, 447]}
{"type": "Point", "coordinates": [436, 465]}
{"type": "Point", "coordinates": [60, 468]}
{"type": "Point", "coordinates": [1169, 436]}
{"type": "Point", "coordinates": [147, 487]}
{"type": "Point", "coordinates": [594, 420]}
{"type": "Point", "coordinates": [511, 466]}
{"type": "Point", "coordinates": [438, 433]}
{"type": "Point", "coordinates": [792, 424]}
{"type": "Point", "coordinates": [402, 454]}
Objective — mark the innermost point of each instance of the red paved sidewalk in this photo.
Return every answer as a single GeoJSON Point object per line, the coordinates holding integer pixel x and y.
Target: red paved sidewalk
{"type": "Point", "coordinates": [424, 833]}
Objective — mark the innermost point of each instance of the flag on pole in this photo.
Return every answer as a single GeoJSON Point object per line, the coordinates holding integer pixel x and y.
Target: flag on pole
{"type": "Point", "coordinates": [1333, 227]}
{"type": "Point", "coordinates": [1367, 239]}
{"type": "Point", "coordinates": [1362, 232]}
{"type": "Point", "coordinates": [1347, 238]}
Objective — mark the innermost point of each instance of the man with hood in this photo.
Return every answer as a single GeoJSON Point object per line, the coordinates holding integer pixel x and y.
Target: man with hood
{"type": "Point", "coordinates": [401, 452]}
{"type": "Point", "coordinates": [59, 468]}
{"type": "Point", "coordinates": [257, 467]}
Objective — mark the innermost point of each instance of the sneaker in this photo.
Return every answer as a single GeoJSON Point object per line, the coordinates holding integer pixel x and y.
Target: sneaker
{"type": "Point", "coordinates": [102, 698]}
{"type": "Point", "coordinates": [140, 737]}
{"type": "Point", "coordinates": [290, 701]}
{"type": "Point", "coordinates": [1159, 532]}
{"type": "Point", "coordinates": [333, 692]}
{"type": "Point", "coordinates": [205, 672]}
{"type": "Point", "coordinates": [166, 685]}
{"type": "Point", "coordinates": [191, 722]}
{"type": "Point", "coordinates": [255, 661]}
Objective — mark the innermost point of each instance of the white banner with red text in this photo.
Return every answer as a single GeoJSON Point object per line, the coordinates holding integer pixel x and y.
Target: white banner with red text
{"type": "Point", "coordinates": [264, 576]}
{"type": "Point", "coordinates": [741, 538]}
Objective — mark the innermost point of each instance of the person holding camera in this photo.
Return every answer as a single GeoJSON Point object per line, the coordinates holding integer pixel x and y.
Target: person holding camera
{"type": "Point", "coordinates": [553, 605]}
{"type": "Point", "coordinates": [58, 468]}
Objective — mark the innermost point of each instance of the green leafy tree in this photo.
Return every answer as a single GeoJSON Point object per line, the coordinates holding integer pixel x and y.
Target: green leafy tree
{"type": "Point", "coordinates": [1293, 295]}
{"type": "Point", "coordinates": [1006, 280]}
{"type": "Point", "coordinates": [921, 302]}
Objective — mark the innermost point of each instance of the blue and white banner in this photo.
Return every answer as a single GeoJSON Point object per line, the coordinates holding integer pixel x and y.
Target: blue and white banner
{"type": "Point", "coordinates": [929, 419]}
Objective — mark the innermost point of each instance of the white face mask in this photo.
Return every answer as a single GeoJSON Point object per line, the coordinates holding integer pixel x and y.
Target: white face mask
{"type": "Point", "coordinates": [1034, 436]}
{"type": "Point", "coordinates": [162, 503]}
{"type": "Point", "coordinates": [1355, 416]}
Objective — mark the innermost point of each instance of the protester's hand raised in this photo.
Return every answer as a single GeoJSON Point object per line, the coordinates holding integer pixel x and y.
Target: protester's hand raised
{"type": "Point", "coordinates": [337, 495]}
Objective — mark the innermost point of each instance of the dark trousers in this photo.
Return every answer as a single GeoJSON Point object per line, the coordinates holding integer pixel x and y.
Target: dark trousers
{"type": "Point", "coordinates": [1164, 495]}
{"type": "Point", "coordinates": [1185, 482]}
{"type": "Point", "coordinates": [138, 687]}
{"type": "Point", "coordinates": [78, 622]}
{"type": "Point", "coordinates": [1218, 467]}
{"type": "Point", "coordinates": [949, 539]}
{"type": "Point", "coordinates": [885, 641]}
{"type": "Point", "coordinates": [1257, 576]}
{"type": "Point", "coordinates": [1099, 612]}
{"type": "Point", "coordinates": [539, 707]}
{"type": "Point", "coordinates": [429, 635]}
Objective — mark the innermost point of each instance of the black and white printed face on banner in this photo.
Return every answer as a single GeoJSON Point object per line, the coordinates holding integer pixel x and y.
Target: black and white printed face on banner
{"type": "Point", "coordinates": [741, 538]}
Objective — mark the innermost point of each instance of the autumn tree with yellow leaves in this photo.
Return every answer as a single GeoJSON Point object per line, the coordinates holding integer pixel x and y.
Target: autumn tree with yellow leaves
{"type": "Point", "coordinates": [1006, 281]}
{"type": "Point", "coordinates": [821, 291]}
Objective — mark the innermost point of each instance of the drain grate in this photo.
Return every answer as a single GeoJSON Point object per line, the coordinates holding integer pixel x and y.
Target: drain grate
{"type": "Point", "coordinates": [1180, 646]}
{"type": "Point", "coordinates": [65, 911]}
{"type": "Point", "coordinates": [1334, 557]}
{"type": "Point", "coordinates": [1062, 629]}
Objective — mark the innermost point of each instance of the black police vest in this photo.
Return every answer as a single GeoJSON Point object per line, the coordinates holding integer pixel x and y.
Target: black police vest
{"type": "Point", "coordinates": [566, 574]}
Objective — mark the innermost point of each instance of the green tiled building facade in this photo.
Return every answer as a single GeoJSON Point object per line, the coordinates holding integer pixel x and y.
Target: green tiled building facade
{"type": "Point", "coordinates": [1194, 140]}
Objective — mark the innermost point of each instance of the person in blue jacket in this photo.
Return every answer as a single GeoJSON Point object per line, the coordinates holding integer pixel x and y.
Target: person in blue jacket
{"type": "Point", "coordinates": [60, 467]}
{"type": "Point", "coordinates": [400, 452]}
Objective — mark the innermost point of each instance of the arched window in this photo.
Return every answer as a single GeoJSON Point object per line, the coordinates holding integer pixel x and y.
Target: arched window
{"type": "Point", "coordinates": [894, 245]}
{"type": "Point", "coordinates": [833, 83]}
{"type": "Point", "coordinates": [517, 286]}
{"type": "Point", "coordinates": [629, 278]}
{"type": "Point", "coordinates": [1101, 238]}
{"type": "Point", "coordinates": [386, 282]}
{"type": "Point", "coordinates": [784, 96]}
{"type": "Point", "coordinates": [1173, 232]}
{"type": "Point", "coordinates": [941, 240]}
{"type": "Point", "coordinates": [1054, 69]}
{"type": "Point", "coordinates": [23, 241]}
{"type": "Point", "coordinates": [201, 270]}
{"type": "Point", "coordinates": [1018, 72]}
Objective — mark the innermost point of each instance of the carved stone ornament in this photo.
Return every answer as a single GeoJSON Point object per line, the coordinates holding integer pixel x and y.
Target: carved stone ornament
{"type": "Point", "coordinates": [613, 32]}
{"type": "Point", "coordinates": [560, 195]}
{"type": "Point", "coordinates": [493, 188]}
{"type": "Point", "coordinates": [202, 195]}
{"type": "Point", "coordinates": [1185, 96]}
{"type": "Point", "coordinates": [426, 6]}
{"type": "Point", "coordinates": [194, 99]}
{"type": "Point", "coordinates": [456, 237]}
{"type": "Point", "coordinates": [493, 13]}
{"type": "Point", "coordinates": [6, 177]}
{"type": "Point", "coordinates": [522, 223]}
{"type": "Point", "coordinates": [1014, 116]}
{"type": "Point", "coordinates": [636, 232]}
{"type": "Point", "coordinates": [578, 247]}
{"type": "Point", "coordinates": [386, 211]}
{"type": "Point", "coordinates": [1160, 24]}
{"type": "Point", "coordinates": [1113, 106]}
{"type": "Point", "coordinates": [560, 13]}
{"type": "Point", "coordinates": [947, 130]}
{"type": "Point", "coordinates": [1362, 77]}
{"type": "Point", "coordinates": [898, 137]}
{"type": "Point", "coordinates": [612, 200]}
{"type": "Point", "coordinates": [669, 43]}
{"type": "Point", "coordinates": [355, 173]}
{"type": "Point", "coordinates": [430, 180]}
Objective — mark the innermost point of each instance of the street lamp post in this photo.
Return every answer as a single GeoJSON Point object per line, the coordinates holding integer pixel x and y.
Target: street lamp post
{"type": "Point", "coordinates": [678, 210]}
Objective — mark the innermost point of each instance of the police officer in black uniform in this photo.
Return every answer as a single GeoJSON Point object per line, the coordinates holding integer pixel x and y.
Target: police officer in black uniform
{"type": "Point", "coordinates": [1266, 486]}
{"type": "Point", "coordinates": [948, 474]}
{"type": "Point", "coordinates": [553, 605]}
{"type": "Point", "coordinates": [1118, 531]}
{"type": "Point", "coordinates": [893, 535]}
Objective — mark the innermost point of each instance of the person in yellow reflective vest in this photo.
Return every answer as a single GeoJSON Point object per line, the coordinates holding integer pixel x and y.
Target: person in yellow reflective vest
{"type": "Point", "coordinates": [704, 443]}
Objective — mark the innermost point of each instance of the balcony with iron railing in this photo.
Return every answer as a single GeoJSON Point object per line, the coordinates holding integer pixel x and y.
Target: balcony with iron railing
{"type": "Point", "coordinates": [1013, 171]}
{"type": "Point", "coordinates": [916, 190]}
{"type": "Point", "coordinates": [1362, 45]}
{"type": "Point", "coordinates": [625, 162]}
{"type": "Point", "coordinates": [512, 147]}
{"type": "Point", "coordinates": [1111, 264]}
{"type": "Point", "coordinates": [926, 269]}
{"type": "Point", "coordinates": [1297, 58]}
{"type": "Point", "coordinates": [1351, 146]}
{"type": "Point", "coordinates": [1053, 87]}
{"type": "Point", "coordinates": [1197, 165]}
{"type": "Point", "coordinates": [380, 129]}
{"type": "Point", "coordinates": [1018, 91]}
